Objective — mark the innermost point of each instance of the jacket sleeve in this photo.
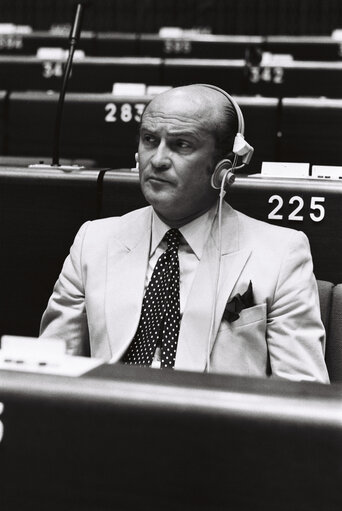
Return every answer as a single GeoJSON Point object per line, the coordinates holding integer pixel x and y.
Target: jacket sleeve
{"type": "Point", "coordinates": [65, 316]}
{"type": "Point", "coordinates": [295, 333]}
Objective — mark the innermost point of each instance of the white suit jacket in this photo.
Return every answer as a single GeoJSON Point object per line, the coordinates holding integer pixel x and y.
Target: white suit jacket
{"type": "Point", "coordinates": [96, 302]}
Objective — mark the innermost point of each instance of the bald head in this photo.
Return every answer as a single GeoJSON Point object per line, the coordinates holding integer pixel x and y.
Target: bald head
{"type": "Point", "coordinates": [208, 109]}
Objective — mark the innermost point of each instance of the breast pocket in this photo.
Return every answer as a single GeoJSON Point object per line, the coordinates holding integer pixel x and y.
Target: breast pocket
{"type": "Point", "coordinates": [241, 346]}
{"type": "Point", "coordinates": [248, 316]}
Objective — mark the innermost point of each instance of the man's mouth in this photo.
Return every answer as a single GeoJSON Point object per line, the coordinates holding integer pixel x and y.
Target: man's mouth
{"type": "Point", "coordinates": [158, 179]}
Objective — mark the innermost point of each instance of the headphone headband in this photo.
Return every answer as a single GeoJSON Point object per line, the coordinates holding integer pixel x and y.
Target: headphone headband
{"type": "Point", "coordinates": [241, 121]}
{"type": "Point", "coordinates": [241, 146]}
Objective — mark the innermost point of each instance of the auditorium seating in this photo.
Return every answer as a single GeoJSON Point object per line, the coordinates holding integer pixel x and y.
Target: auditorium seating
{"type": "Point", "coordinates": [105, 127]}
{"type": "Point", "coordinates": [175, 43]}
{"type": "Point", "coordinates": [97, 74]}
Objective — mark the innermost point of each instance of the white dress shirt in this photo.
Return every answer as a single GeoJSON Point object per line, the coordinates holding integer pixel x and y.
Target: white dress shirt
{"type": "Point", "coordinates": [192, 242]}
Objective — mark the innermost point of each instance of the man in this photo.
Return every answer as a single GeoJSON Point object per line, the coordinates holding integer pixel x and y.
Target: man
{"type": "Point", "coordinates": [250, 310]}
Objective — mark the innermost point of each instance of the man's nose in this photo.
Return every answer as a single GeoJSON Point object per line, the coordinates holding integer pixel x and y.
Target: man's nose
{"type": "Point", "coordinates": [161, 157]}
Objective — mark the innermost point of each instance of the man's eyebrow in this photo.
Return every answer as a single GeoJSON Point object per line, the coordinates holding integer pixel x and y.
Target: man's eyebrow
{"type": "Point", "coordinates": [183, 133]}
{"type": "Point", "coordinates": [173, 132]}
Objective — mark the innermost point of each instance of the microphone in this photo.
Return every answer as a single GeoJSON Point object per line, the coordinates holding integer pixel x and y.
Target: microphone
{"type": "Point", "coordinates": [76, 26]}
{"type": "Point", "coordinates": [73, 40]}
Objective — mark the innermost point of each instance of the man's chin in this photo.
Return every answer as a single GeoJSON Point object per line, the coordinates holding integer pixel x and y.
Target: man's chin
{"type": "Point", "coordinates": [159, 200]}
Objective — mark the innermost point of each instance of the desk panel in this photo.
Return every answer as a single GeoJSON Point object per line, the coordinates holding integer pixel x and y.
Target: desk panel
{"type": "Point", "coordinates": [28, 44]}
{"type": "Point", "coordinates": [313, 206]}
{"type": "Point", "coordinates": [297, 78]}
{"type": "Point", "coordinates": [91, 74]}
{"type": "Point", "coordinates": [317, 48]}
{"type": "Point", "coordinates": [262, 122]}
{"type": "Point", "coordinates": [311, 131]}
{"type": "Point", "coordinates": [94, 443]}
{"type": "Point", "coordinates": [3, 121]}
{"type": "Point", "coordinates": [288, 79]}
{"type": "Point", "coordinates": [121, 193]}
{"type": "Point", "coordinates": [230, 75]}
{"type": "Point", "coordinates": [117, 44]}
{"type": "Point", "coordinates": [96, 126]}
{"type": "Point", "coordinates": [97, 74]}
{"type": "Point", "coordinates": [305, 47]}
{"type": "Point", "coordinates": [206, 46]}
{"type": "Point", "coordinates": [40, 213]}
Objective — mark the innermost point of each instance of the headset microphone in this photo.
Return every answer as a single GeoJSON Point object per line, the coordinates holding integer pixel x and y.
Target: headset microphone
{"type": "Point", "coordinates": [223, 175]}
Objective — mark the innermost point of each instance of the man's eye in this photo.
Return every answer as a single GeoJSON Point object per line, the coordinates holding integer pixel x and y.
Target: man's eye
{"type": "Point", "coordinates": [149, 139]}
{"type": "Point", "coordinates": [183, 144]}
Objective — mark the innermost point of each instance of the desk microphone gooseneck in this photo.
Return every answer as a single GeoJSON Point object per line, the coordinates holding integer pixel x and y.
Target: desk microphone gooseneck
{"type": "Point", "coordinates": [73, 40]}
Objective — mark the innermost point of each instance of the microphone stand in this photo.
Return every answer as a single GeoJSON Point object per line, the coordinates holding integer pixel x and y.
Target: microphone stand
{"type": "Point", "coordinates": [73, 40]}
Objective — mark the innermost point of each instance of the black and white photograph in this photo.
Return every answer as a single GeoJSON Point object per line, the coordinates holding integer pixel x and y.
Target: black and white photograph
{"type": "Point", "coordinates": [171, 255]}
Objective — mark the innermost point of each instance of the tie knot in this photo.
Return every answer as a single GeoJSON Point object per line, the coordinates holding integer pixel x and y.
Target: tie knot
{"type": "Point", "coordinates": [173, 238]}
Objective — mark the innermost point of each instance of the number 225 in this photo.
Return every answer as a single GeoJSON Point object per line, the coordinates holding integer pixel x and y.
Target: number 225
{"type": "Point", "coordinates": [317, 212]}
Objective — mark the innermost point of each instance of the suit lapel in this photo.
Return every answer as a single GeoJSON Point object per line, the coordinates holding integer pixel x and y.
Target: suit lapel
{"type": "Point", "coordinates": [195, 327]}
{"type": "Point", "coordinates": [128, 256]}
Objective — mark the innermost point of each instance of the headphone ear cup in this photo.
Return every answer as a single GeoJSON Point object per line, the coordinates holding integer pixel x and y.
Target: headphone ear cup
{"type": "Point", "coordinates": [220, 169]}
{"type": "Point", "coordinates": [136, 162]}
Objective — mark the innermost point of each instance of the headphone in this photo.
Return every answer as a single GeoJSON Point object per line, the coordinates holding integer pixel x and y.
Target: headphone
{"type": "Point", "coordinates": [241, 148]}
{"type": "Point", "coordinates": [225, 169]}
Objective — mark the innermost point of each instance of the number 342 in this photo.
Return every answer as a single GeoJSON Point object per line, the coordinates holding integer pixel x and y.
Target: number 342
{"type": "Point", "coordinates": [317, 211]}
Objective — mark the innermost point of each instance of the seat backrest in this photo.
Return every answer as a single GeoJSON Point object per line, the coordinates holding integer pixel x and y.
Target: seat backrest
{"type": "Point", "coordinates": [325, 290]}
{"type": "Point", "coordinates": [333, 355]}
{"type": "Point", "coordinates": [330, 297]}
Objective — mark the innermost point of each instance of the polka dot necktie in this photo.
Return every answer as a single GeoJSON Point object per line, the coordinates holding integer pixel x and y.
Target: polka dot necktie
{"type": "Point", "coordinates": [160, 315]}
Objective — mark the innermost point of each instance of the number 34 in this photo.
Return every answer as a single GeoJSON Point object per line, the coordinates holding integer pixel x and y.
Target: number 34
{"type": "Point", "coordinates": [317, 212]}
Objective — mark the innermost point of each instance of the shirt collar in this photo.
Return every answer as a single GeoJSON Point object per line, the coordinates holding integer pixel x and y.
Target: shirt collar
{"type": "Point", "coordinates": [195, 233]}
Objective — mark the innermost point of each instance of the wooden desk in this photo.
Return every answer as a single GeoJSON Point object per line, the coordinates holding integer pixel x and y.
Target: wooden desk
{"type": "Point", "coordinates": [134, 438]}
